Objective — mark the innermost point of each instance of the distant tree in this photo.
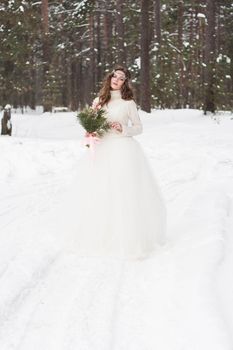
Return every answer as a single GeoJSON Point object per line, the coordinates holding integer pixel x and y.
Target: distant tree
{"type": "Point", "coordinates": [46, 56]}
{"type": "Point", "coordinates": [157, 9]}
{"type": "Point", "coordinates": [189, 94]}
{"type": "Point", "coordinates": [145, 91]}
{"type": "Point", "coordinates": [180, 57]}
{"type": "Point", "coordinates": [210, 57]}
{"type": "Point", "coordinates": [121, 58]}
{"type": "Point", "coordinates": [105, 37]}
{"type": "Point", "coordinates": [45, 29]}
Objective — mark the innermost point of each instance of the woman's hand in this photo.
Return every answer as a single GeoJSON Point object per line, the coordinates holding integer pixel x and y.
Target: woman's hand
{"type": "Point", "coordinates": [117, 126]}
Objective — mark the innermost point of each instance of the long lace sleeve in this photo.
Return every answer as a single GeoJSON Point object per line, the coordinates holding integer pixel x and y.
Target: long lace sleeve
{"type": "Point", "coordinates": [136, 127]}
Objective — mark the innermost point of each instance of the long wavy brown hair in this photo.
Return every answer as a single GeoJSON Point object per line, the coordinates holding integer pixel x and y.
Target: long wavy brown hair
{"type": "Point", "coordinates": [126, 89]}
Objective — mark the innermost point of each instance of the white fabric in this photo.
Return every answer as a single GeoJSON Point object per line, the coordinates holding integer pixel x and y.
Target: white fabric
{"type": "Point", "coordinates": [114, 206]}
{"type": "Point", "coordinates": [123, 111]}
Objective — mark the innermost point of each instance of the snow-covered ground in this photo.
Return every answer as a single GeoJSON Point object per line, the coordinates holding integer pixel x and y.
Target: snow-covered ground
{"type": "Point", "coordinates": [181, 299]}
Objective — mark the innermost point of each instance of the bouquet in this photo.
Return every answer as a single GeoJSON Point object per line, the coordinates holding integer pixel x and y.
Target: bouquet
{"type": "Point", "coordinates": [94, 121]}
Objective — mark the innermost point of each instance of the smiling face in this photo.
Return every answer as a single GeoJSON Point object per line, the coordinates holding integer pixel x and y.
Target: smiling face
{"type": "Point", "coordinates": [117, 80]}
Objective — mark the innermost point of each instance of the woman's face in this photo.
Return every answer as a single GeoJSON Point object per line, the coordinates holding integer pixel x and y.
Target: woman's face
{"type": "Point", "coordinates": [117, 80]}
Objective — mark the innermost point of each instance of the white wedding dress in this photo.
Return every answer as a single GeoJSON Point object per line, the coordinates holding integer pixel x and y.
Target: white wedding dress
{"type": "Point", "coordinates": [114, 206]}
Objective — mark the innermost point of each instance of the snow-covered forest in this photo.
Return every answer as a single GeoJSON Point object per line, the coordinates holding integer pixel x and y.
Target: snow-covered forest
{"type": "Point", "coordinates": [56, 53]}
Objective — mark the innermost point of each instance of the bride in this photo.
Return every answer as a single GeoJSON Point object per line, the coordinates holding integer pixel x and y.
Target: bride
{"type": "Point", "coordinates": [114, 206]}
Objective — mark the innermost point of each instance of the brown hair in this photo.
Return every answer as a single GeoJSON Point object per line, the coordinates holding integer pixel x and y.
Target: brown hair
{"type": "Point", "coordinates": [126, 89]}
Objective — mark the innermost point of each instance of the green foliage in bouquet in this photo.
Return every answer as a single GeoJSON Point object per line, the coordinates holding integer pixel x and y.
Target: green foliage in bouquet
{"type": "Point", "coordinates": [94, 120]}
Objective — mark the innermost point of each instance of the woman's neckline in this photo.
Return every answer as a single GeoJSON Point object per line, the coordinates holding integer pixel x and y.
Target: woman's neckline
{"type": "Point", "coordinates": [115, 94]}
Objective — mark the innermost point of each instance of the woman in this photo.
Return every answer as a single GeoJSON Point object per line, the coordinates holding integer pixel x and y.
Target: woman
{"type": "Point", "coordinates": [114, 207]}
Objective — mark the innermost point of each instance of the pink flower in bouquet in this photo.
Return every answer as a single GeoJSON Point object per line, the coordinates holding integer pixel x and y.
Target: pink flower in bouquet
{"type": "Point", "coordinates": [90, 134]}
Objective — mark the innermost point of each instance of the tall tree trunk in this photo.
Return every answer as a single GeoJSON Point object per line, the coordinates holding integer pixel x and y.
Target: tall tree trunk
{"type": "Point", "coordinates": [73, 83]}
{"type": "Point", "coordinates": [145, 90]}
{"type": "Point", "coordinates": [45, 46]}
{"type": "Point", "coordinates": [79, 77]}
{"type": "Point", "coordinates": [121, 57]}
{"type": "Point", "coordinates": [219, 24]}
{"type": "Point", "coordinates": [190, 94]}
{"type": "Point", "coordinates": [99, 51]}
{"type": "Point", "coordinates": [157, 9]}
{"type": "Point", "coordinates": [158, 43]}
{"type": "Point", "coordinates": [45, 30]}
{"type": "Point", "coordinates": [68, 86]}
{"type": "Point", "coordinates": [209, 104]}
{"type": "Point", "coordinates": [91, 65]}
{"type": "Point", "coordinates": [180, 54]}
{"type": "Point", "coordinates": [200, 29]}
{"type": "Point", "coordinates": [107, 57]}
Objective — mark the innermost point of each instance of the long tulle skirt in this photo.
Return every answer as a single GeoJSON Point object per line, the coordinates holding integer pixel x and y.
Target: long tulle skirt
{"type": "Point", "coordinates": [114, 206]}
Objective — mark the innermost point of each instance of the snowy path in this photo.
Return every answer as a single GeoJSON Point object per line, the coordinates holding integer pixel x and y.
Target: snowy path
{"type": "Point", "coordinates": [181, 299]}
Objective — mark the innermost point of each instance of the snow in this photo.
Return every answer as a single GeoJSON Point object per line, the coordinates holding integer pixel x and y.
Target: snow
{"type": "Point", "coordinates": [224, 58]}
{"type": "Point", "coordinates": [180, 299]}
{"type": "Point", "coordinates": [138, 62]}
{"type": "Point", "coordinates": [21, 8]}
{"type": "Point", "coordinates": [201, 15]}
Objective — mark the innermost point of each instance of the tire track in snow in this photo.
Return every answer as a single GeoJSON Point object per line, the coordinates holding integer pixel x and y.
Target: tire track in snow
{"type": "Point", "coordinates": [13, 297]}
{"type": "Point", "coordinates": [94, 312]}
